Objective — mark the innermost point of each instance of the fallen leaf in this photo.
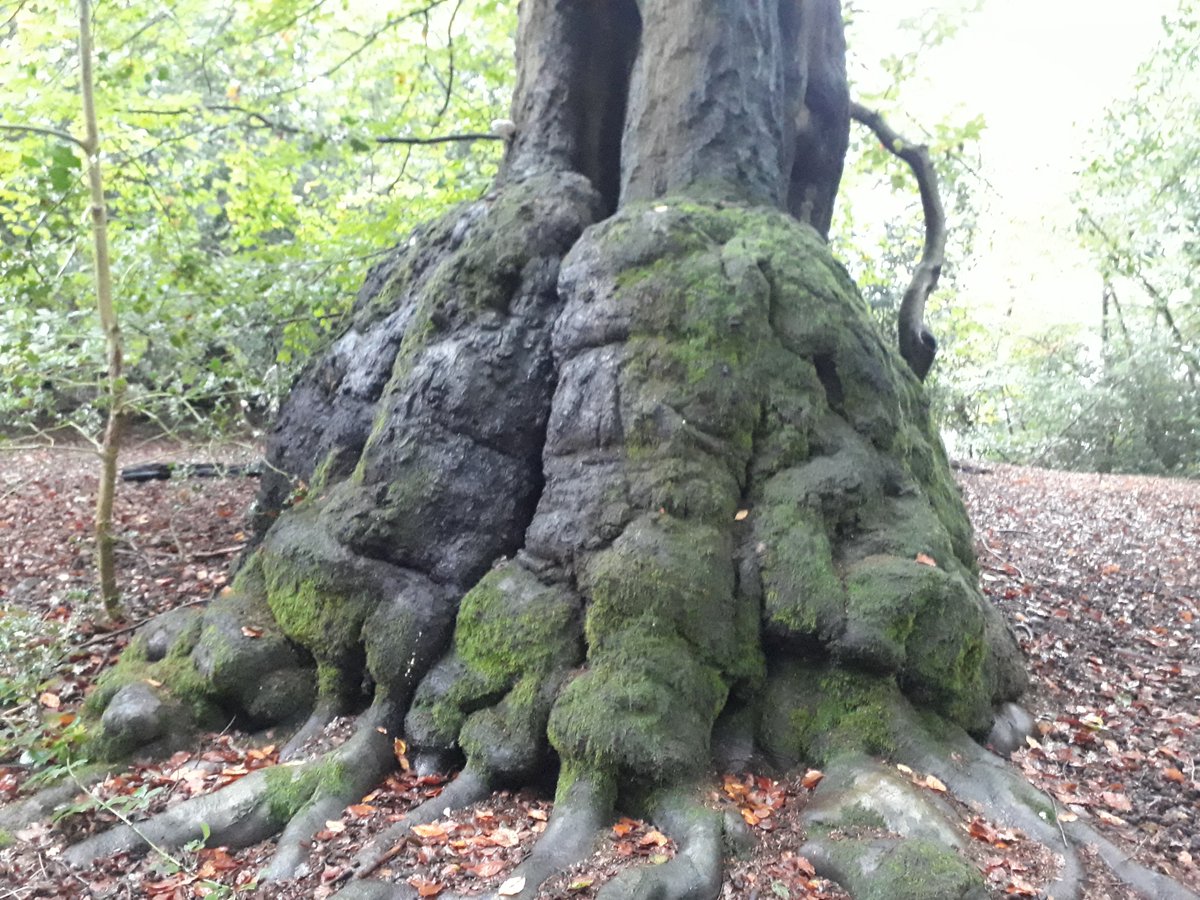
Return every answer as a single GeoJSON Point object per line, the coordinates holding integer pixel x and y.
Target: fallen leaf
{"type": "Point", "coordinates": [426, 888]}
{"type": "Point", "coordinates": [504, 837]}
{"type": "Point", "coordinates": [252, 631]}
{"type": "Point", "coordinates": [654, 838]}
{"type": "Point", "coordinates": [1173, 774]}
{"type": "Point", "coordinates": [934, 784]}
{"type": "Point", "coordinates": [740, 515]}
{"type": "Point", "coordinates": [926, 560]}
{"type": "Point", "coordinates": [432, 831]}
{"type": "Point", "coordinates": [623, 827]}
{"type": "Point", "coordinates": [811, 779]}
{"type": "Point", "coordinates": [512, 887]}
{"type": "Point", "coordinates": [488, 868]}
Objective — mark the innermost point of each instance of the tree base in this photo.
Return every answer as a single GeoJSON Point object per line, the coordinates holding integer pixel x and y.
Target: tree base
{"type": "Point", "coordinates": [582, 496]}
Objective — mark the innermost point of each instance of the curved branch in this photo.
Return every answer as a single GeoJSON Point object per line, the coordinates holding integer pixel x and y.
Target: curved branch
{"type": "Point", "coordinates": [284, 128]}
{"type": "Point", "coordinates": [48, 132]}
{"type": "Point", "coordinates": [917, 343]}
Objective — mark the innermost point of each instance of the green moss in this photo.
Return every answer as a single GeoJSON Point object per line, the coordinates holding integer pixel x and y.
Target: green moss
{"type": "Point", "coordinates": [513, 635]}
{"type": "Point", "coordinates": [6, 839]}
{"type": "Point", "coordinates": [290, 788]}
{"type": "Point", "coordinates": [913, 869]}
{"type": "Point", "coordinates": [816, 713]}
{"type": "Point", "coordinates": [175, 676]}
{"type": "Point", "coordinates": [802, 592]}
{"type": "Point", "coordinates": [510, 624]}
{"type": "Point", "coordinates": [859, 818]}
{"type": "Point", "coordinates": [315, 604]}
{"type": "Point", "coordinates": [644, 708]}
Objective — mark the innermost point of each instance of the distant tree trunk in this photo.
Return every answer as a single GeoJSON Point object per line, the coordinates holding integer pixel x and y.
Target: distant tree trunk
{"type": "Point", "coordinates": [611, 477]}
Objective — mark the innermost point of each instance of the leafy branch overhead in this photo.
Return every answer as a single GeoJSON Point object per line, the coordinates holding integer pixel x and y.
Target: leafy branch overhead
{"type": "Point", "coordinates": [917, 344]}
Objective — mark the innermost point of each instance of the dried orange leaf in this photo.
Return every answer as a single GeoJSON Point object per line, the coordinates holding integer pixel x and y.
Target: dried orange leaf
{"type": "Point", "coordinates": [623, 827]}
{"type": "Point", "coordinates": [432, 830]}
{"type": "Point", "coordinates": [811, 779]}
{"type": "Point", "coordinates": [655, 838]}
{"type": "Point", "coordinates": [740, 515]}
{"type": "Point", "coordinates": [504, 837]}
{"type": "Point", "coordinates": [926, 560]}
{"type": "Point", "coordinates": [934, 784]}
{"type": "Point", "coordinates": [251, 631]}
{"type": "Point", "coordinates": [488, 868]}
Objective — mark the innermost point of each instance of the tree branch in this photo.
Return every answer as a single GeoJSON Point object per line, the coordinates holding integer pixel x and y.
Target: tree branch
{"type": "Point", "coordinates": [48, 132]}
{"type": "Point", "coordinates": [284, 128]}
{"type": "Point", "coordinates": [1162, 308]}
{"type": "Point", "coordinates": [917, 344]}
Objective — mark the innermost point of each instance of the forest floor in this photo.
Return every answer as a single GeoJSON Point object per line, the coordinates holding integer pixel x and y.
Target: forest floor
{"type": "Point", "coordinates": [1099, 576]}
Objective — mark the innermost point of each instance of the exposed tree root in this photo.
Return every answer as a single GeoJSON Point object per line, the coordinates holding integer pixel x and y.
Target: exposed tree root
{"type": "Point", "coordinates": [580, 812]}
{"type": "Point", "coordinates": [861, 799]}
{"type": "Point", "coordinates": [41, 805]}
{"type": "Point", "coordinates": [695, 872]}
{"type": "Point", "coordinates": [299, 795]}
{"type": "Point", "coordinates": [977, 776]}
{"type": "Point", "coordinates": [365, 759]}
{"type": "Point", "coordinates": [325, 711]}
{"type": "Point", "coordinates": [469, 787]}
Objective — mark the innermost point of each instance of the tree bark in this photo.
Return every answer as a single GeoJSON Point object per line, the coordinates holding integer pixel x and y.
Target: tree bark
{"type": "Point", "coordinates": [613, 477]}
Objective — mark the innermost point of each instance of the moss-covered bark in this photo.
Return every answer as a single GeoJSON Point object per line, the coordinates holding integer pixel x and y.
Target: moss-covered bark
{"type": "Point", "coordinates": [682, 476]}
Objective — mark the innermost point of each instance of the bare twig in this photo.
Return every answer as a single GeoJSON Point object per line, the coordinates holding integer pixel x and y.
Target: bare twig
{"type": "Point", "coordinates": [265, 121]}
{"type": "Point", "coordinates": [917, 344]}
{"type": "Point", "coordinates": [48, 132]}
{"type": "Point", "coordinates": [125, 629]}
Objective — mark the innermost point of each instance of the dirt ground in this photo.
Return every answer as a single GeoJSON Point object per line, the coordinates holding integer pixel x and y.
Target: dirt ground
{"type": "Point", "coordinates": [1099, 576]}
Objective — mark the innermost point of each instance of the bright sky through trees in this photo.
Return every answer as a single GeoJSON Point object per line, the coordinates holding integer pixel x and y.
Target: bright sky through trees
{"type": "Point", "coordinates": [1041, 72]}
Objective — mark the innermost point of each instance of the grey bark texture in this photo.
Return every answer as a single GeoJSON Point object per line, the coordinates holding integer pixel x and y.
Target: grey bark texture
{"type": "Point", "coordinates": [610, 473]}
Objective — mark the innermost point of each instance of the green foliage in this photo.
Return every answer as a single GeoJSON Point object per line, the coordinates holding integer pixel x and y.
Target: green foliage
{"type": "Point", "coordinates": [246, 186]}
{"type": "Point", "coordinates": [1122, 397]}
{"type": "Point", "coordinates": [879, 227]}
{"type": "Point", "coordinates": [1139, 200]}
{"type": "Point", "coordinates": [1059, 403]}
{"type": "Point", "coordinates": [30, 649]}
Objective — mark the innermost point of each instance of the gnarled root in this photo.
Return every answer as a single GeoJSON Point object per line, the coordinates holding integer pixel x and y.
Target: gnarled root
{"type": "Point", "coordinates": [920, 854]}
{"type": "Point", "coordinates": [978, 777]}
{"type": "Point", "coordinates": [695, 872]}
{"type": "Point", "coordinates": [469, 787]}
{"type": "Point", "coordinates": [581, 811]}
{"type": "Point", "coordinates": [300, 795]}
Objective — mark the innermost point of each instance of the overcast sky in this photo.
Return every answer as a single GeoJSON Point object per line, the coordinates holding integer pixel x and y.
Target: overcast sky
{"type": "Point", "coordinates": [1042, 73]}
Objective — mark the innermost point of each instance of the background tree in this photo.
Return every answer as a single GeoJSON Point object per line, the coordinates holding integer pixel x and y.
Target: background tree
{"type": "Point", "coordinates": [1120, 396]}
{"type": "Point", "coordinates": [610, 475]}
{"type": "Point", "coordinates": [237, 140]}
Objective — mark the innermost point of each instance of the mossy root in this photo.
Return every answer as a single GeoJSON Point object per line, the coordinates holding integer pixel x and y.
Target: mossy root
{"type": "Point", "coordinates": [469, 787]}
{"type": "Point", "coordinates": [255, 807]}
{"type": "Point", "coordinates": [363, 762]}
{"type": "Point", "coordinates": [696, 871]}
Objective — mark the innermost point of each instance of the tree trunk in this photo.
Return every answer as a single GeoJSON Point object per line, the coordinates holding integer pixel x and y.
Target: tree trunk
{"type": "Point", "coordinates": [613, 477]}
